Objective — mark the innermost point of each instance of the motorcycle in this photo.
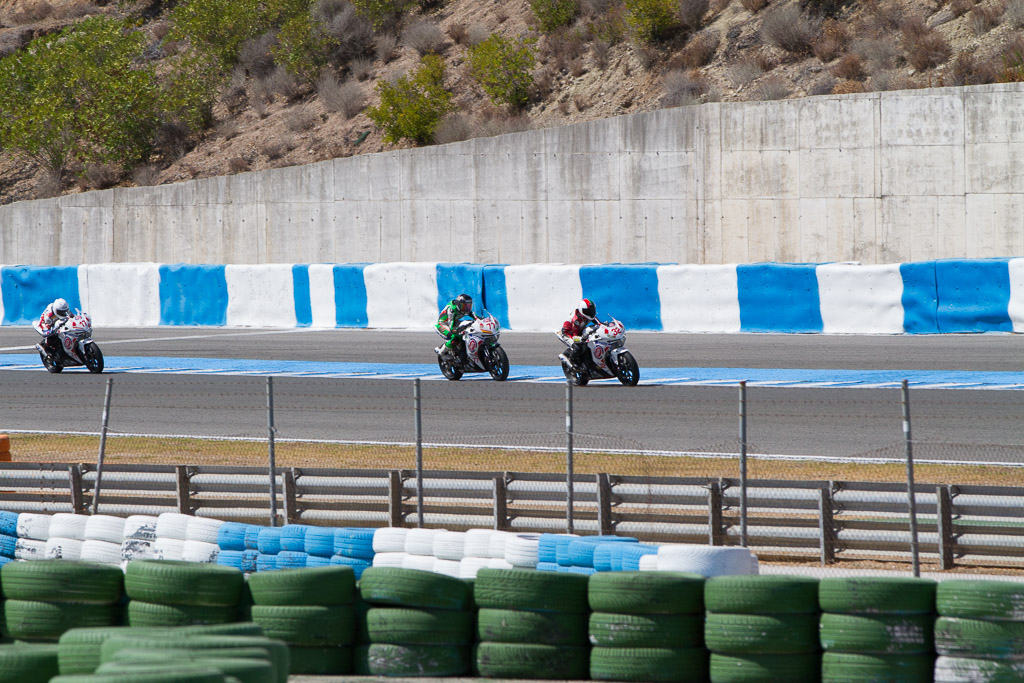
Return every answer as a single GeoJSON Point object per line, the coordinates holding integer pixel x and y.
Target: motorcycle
{"type": "Point", "coordinates": [607, 356]}
{"type": "Point", "coordinates": [478, 351]}
{"type": "Point", "coordinates": [74, 345]}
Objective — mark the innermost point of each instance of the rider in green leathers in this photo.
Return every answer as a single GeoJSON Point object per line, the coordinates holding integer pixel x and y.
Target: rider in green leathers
{"type": "Point", "coordinates": [458, 308]}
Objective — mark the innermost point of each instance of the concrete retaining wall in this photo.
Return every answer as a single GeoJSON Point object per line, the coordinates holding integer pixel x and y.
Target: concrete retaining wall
{"type": "Point", "coordinates": [918, 298]}
{"type": "Point", "coordinates": [874, 178]}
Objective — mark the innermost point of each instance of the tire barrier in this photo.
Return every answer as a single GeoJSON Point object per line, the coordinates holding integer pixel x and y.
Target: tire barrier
{"type": "Point", "coordinates": [979, 634]}
{"type": "Point", "coordinates": [173, 593]}
{"type": "Point", "coordinates": [25, 663]}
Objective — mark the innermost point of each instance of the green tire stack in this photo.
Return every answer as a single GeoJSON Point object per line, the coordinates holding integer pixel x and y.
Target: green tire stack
{"type": "Point", "coordinates": [532, 624]}
{"type": "Point", "coordinates": [28, 663]}
{"type": "Point", "coordinates": [647, 626]}
{"type": "Point", "coordinates": [979, 634]}
{"type": "Point", "coordinates": [312, 611]}
{"type": "Point", "coordinates": [45, 598]}
{"type": "Point", "coordinates": [167, 593]}
{"type": "Point", "coordinates": [762, 628]}
{"type": "Point", "coordinates": [875, 628]}
{"type": "Point", "coordinates": [417, 623]}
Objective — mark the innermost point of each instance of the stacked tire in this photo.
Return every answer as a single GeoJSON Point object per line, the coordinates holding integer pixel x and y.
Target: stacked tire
{"type": "Point", "coordinates": [312, 611]}
{"type": "Point", "coordinates": [647, 626]}
{"type": "Point", "coordinates": [876, 628]}
{"type": "Point", "coordinates": [28, 663]}
{"type": "Point", "coordinates": [762, 628]}
{"type": "Point", "coordinates": [268, 543]}
{"type": "Point", "coordinates": [979, 634]}
{"type": "Point", "coordinates": [104, 535]}
{"type": "Point", "coordinates": [171, 534]}
{"type": "Point", "coordinates": [353, 548]}
{"type": "Point", "coordinates": [173, 593]}
{"type": "Point", "coordinates": [293, 553]}
{"type": "Point", "coordinates": [231, 542]}
{"type": "Point", "coordinates": [46, 598]}
{"type": "Point", "coordinates": [532, 624]}
{"type": "Point", "coordinates": [139, 537]}
{"type": "Point", "coordinates": [389, 546]}
{"type": "Point", "coordinates": [32, 531]}
{"type": "Point", "coordinates": [418, 623]}
{"type": "Point", "coordinates": [66, 535]}
{"type": "Point", "coordinates": [8, 535]}
{"type": "Point", "coordinates": [201, 540]}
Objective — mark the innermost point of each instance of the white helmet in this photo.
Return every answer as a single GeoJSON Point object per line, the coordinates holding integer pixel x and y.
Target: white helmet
{"type": "Point", "coordinates": [60, 308]}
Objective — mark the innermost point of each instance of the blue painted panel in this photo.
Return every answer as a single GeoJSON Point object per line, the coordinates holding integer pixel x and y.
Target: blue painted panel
{"type": "Point", "coordinates": [193, 295]}
{"type": "Point", "coordinates": [974, 295]}
{"type": "Point", "coordinates": [350, 295]}
{"type": "Point", "coordinates": [300, 285]}
{"type": "Point", "coordinates": [628, 293]}
{"type": "Point", "coordinates": [26, 290]}
{"type": "Point", "coordinates": [779, 297]}
{"type": "Point", "coordinates": [460, 278]}
{"type": "Point", "coordinates": [496, 294]}
{"type": "Point", "coordinates": [920, 298]}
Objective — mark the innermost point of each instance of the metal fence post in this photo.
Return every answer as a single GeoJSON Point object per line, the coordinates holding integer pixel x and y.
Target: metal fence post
{"type": "Point", "coordinates": [716, 526]}
{"type": "Point", "coordinates": [912, 501]}
{"type": "Point", "coordinates": [568, 458]}
{"type": "Point", "coordinates": [271, 431]}
{"type": "Point", "coordinates": [947, 540]}
{"type": "Point", "coordinates": [743, 463]}
{"type": "Point", "coordinates": [418, 406]}
{"type": "Point", "coordinates": [103, 445]}
{"type": "Point", "coordinates": [827, 525]}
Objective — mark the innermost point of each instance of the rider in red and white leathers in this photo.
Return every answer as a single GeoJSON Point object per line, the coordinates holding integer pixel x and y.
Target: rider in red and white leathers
{"type": "Point", "coordinates": [583, 317]}
{"type": "Point", "coordinates": [57, 311]}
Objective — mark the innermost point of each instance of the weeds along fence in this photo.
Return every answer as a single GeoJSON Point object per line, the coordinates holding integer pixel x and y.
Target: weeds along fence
{"type": "Point", "coordinates": [719, 491]}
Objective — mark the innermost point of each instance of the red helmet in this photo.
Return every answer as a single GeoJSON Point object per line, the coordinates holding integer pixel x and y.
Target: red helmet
{"type": "Point", "coordinates": [587, 309]}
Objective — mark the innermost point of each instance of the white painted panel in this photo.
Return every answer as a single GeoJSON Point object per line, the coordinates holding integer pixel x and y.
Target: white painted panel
{"type": "Point", "coordinates": [541, 297]}
{"type": "Point", "coordinates": [122, 294]}
{"type": "Point", "coordinates": [321, 295]}
{"type": "Point", "coordinates": [260, 296]}
{"type": "Point", "coordinates": [859, 299]}
{"type": "Point", "coordinates": [401, 295]}
{"type": "Point", "coordinates": [699, 298]}
{"type": "Point", "coordinates": [1016, 307]}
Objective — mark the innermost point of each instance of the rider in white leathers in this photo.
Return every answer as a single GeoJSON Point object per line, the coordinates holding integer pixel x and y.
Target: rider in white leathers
{"type": "Point", "coordinates": [53, 313]}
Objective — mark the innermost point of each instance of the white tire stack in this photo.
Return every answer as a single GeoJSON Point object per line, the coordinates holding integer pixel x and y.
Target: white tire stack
{"type": "Point", "coordinates": [496, 544]}
{"type": "Point", "coordinates": [424, 563]}
{"type": "Point", "coordinates": [706, 560]}
{"type": "Point", "coordinates": [649, 563]}
{"type": "Point", "coordinates": [139, 537]}
{"type": "Point", "coordinates": [420, 542]}
{"type": "Point", "coordinates": [389, 546]}
{"type": "Point", "coordinates": [103, 537]}
{"type": "Point", "coordinates": [67, 532]}
{"type": "Point", "coordinates": [389, 559]}
{"type": "Point", "coordinates": [201, 540]}
{"type": "Point", "coordinates": [33, 531]}
{"type": "Point", "coordinates": [451, 568]}
{"type": "Point", "coordinates": [449, 545]}
{"type": "Point", "coordinates": [171, 534]}
{"type": "Point", "coordinates": [469, 566]}
{"type": "Point", "coordinates": [477, 543]}
{"type": "Point", "coordinates": [521, 550]}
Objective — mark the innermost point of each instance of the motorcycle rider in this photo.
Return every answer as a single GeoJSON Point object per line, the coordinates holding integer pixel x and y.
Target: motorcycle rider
{"type": "Point", "coordinates": [54, 312]}
{"type": "Point", "coordinates": [458, 308]}
{"type": "Point", "coordinates": [583, 317]}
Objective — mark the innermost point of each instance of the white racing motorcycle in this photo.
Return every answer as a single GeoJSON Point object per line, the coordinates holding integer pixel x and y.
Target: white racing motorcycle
{"type": "Point", "coordinates": [478, 352]}
{"type": "Point", "coordinates": [74, 342]}
{"type": "Point", "coordinates": [607, 356]}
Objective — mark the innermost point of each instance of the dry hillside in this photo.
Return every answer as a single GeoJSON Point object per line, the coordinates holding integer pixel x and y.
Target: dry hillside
{"type": "Point", "coordinates": [723, 50]}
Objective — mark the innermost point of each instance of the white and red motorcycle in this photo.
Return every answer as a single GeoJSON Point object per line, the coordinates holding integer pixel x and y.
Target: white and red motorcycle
{"type": "Point", "coordinates": [479, 350]}
{"type": "Point", "coordinates": [74, 345]}
{"type": "Point", "coordinates": [604, 355]}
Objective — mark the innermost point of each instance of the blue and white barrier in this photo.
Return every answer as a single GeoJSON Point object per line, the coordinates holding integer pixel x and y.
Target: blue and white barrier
{"type": "Point", "coordinates": [928, 297]}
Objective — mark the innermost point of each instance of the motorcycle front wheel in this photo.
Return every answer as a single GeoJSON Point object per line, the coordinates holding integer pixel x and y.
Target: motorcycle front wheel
{"type": "Point", "coordinates": [51, 365]}
{"type": "Point", "coordinates": [93, 358]}
{"type": "Point", "coordinates": [498, 364]}
{"type": "Point", "coordinates": [448, 368]}
{"type": "Point", "coordinates": [627, 370]}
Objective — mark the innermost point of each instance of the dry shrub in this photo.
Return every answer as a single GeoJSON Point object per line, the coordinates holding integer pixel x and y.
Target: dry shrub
{"type": "Point", "coordinates": [789, 29]}
{"type": "Point", "coordinates": [75, 11]}
{"type": "Point", "coordinates": [564, 47]}
{"type": "Point", "coordinates": [765, 60]}
{"type": "Point", "coordinates": [772, 88]}
{"type": "Point", "coordinates": [173, 139]}
{"type": "Point", "coordinates": [719, 6]}
{"type": "Point", "coordinates": [926, 48]}
{"type": "Point", "coordinates": [458, 32]}
{"type": "Point", "coordinates": [227, 129]}
{"type": "Point", "coordinates": [282, 83]}
{"type": "Point", "coordinates": [581, 101]}
{"type": "Point", "coordinates": [850, 68]}
{"type": "Point", "coordinates": [823, 86]}
{"type": "Point", "coordinates": [984, 19]}
{"type": "Point", "coordinates": [744, 71]}
{"type": "Point", "coordinates": [966, 69]}
{"type": "Point", "coordinates": [238, 165]}
{"type": "Point", "coordinates": [832, 42]}
{"type": "Point", "coordinates": [700, 50]}
{"type": "Point", "coordinates": [352, 33]}
{"type": "Point", "coordinates": [848, 87]}
{"type": "Point", "coordinates": [273, 148]}
{"type": "Point", "coordinates": [476, 34]}
{"type": "Point", "coordinates": [1011, 58]}
{"type": "Point", "coordinates": [160, 29]}
{"type": "Point", "coordinates": [49, 184]}
{"type": "Point", "coordinates": [602, 51]}
{"type": "Point", "coordinates": [882, 17]}
{"type": "Point", "coordinates": [501, 15]}
{"type": "Point", "coordinates": [577, 67]}
{"type": "Point", "coordinates": [597, 8]}
{"type": "Point", "coordinates": [255, 55]}
{"type": "Point", "coordinates": [234, 97]}
{"type": "Point", "coordinates": [507, 123]}
{"type": "Point", "coordinates": [681, 88]}
{"type": "Point", "coordinates": [30, 13]}
{"type": "Point", "coordinates": [1015, 13]}
{"type": "Point", "coordinates": [961, 7]}
{"type": "Point", "coordinates": [300, 119]}
{"type": "Point", "coordinates": [754, 6]}
{"type": "Point", "coordinates": [543, 84]}
{"type": "Point", "coordinates": [101, 176]}
{"type": "Point", "coordinates": [12, 41]}
{"type": "Point", "coordinates": [563, 107]}
{"type": "Point", "coordinates": [425, 37]}
{"type": "Point", "coordinates": [691, 13]}
{"type": "Point", "coordinates": [361, 69]}
{"type": "Point", "coordinates": [385, 45]}
{"type": "Point", "coordinates": [646, 55]}
{"type": "Point", "coordinates": [260, 96]}
{"type": "Point", "coordinates": [454, 128]}
{"type": "Point", "coordinates": [347, 97]}
{"type": "Point", "coordinates": [879, 53]}
{"type": "Point", "coordinates": [145, 175]}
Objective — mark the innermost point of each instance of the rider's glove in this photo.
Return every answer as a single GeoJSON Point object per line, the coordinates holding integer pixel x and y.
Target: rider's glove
{"type": "Point", "coordinates": [576, 340]}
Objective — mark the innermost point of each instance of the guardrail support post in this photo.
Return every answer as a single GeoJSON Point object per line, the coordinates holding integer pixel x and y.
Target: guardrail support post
{"type": "Point", "coordinates": [75, 484]}
{"type": "Point", "coordinates": [181, 487]}
{"type": "Point", "coordinates": [947, 541]}
{"type": "Point", "coordinates": [291, 512]}
{"type": "Point", "coordinates": [395, 498]}
{"type": "Point", "coordinates": [604, 505]}
{"type": "Point", "coordinates": [501, 503]}
{"type": "Point", "coordinates": [826, 525]}
{"type": "Point", "coordinates": [716, 529]}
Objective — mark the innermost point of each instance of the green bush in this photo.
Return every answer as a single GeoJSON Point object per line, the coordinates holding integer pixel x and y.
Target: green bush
{"type": "Point", "coordinates": [383, 14]}
{"type": "Point", "coordinates": [651, 19]}
{"type": "Point", "coordinates": [304, 47]}
{"type": "Point", "coordinates": [83, 94]}
{"type": "Point", "coordinates": [190, 88]}
{"type": "Point", "coordinates": [553, 14]}
{"type": "Point", "coordinates": [412, 107]}
{"type": "Point", "coordinates": [504, 68]}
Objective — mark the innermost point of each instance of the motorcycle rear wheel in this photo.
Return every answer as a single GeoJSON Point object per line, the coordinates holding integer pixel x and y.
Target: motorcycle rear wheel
{"type": "Point", "coordinates": [449, 369]}
{"type": "Point", "coordinates": [498, 365]}
{"type": "Point", "coordinates": [93, 358]}
{"type": "Point", "coordinates": [627, 369]}
{"type": "Point", "coordinates": [579, 379]}
{"type": "Point", "coordinates": [49, 363]}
